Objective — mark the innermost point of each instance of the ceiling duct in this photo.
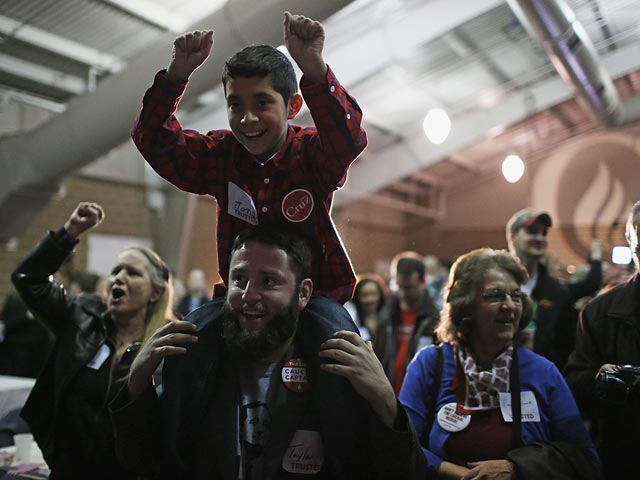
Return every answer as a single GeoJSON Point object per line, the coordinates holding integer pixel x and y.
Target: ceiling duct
{"type": "Point", "coordinates": [575, 58]}
{"type": "Point", "coordinates": [32, 164]}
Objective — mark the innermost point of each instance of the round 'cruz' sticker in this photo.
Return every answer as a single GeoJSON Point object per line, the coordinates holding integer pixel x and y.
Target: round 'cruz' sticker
{"type": "Point", "coordinates": [451, 421]}
{"type": "Point", "coordinates": [297, 205]}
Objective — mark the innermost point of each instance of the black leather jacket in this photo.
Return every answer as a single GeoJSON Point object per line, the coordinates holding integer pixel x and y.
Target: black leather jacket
{"type": "Point", "coordinates": [609, 332]}
{"type": "Point", "coordinates": [80, 328]}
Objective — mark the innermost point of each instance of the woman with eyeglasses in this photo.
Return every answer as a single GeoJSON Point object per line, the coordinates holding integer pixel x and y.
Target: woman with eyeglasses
{"type": "Point", "coordinates": [462, 394]}
{"type": "Point", "coordinates": [95, 345]}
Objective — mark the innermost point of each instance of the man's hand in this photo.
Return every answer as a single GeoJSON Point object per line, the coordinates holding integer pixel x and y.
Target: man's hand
{"type": "Point", "coordinates": [607, 367]}
{"type": "Point", "coordinates": [86, 216]}
{"type": "Point", "coordinates": [189, 52]}
{"type": "Point", "coordinates": [490, 470]}
{"type": "Point", "coordinates": [304, 39]}
{"type": "Point", "coordinates": [357, 362]}
{"type": "Point", "coordinates": [164, 342]}
{"type": "Point", "coordinates": [595, 250]}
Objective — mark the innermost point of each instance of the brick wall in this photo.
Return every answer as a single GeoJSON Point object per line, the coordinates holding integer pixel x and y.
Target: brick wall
{"type": "Point", "coordinates": [126, 214]}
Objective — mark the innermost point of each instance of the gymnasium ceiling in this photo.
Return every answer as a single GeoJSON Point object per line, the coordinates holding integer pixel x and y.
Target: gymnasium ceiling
{"type": "Point", "coordinates": [399, 58]}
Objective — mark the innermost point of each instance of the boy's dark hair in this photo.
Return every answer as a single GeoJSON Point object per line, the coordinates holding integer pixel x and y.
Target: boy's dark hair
{"type": "Point", "coordinates": [262, 61]}
{"type": "Point", "coordinates": [291, 242]}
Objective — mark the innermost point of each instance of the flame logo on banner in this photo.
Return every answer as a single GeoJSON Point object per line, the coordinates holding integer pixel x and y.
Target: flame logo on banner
{"type": "Point", "coordinates": [590, 182]}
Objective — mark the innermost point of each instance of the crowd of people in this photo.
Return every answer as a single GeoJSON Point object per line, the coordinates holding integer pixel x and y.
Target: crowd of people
{"type": "Point", "coordinates": [491, 369]}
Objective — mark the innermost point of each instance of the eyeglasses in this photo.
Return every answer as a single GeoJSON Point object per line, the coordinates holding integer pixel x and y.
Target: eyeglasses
{"type": "Point", "coordinates": [500, 296]}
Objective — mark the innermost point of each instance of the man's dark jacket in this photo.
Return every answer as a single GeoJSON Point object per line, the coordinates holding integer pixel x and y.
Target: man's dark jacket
{"type": "Point", "coordinates": [555, 319]}
{"type": "Point", "coordinates": [190, 431]}
{"type": "Point", "coordinates": [184, 307]}
{"type": "Point", "coordinates": [609, 333]}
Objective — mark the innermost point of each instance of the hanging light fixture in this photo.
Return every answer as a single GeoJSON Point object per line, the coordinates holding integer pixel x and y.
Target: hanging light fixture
{"type": "Point", "coordinates": [512, 168]}
{"type": "Point", "coordinates": [437, 125]}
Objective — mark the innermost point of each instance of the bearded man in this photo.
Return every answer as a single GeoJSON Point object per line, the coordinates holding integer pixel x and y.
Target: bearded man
{"type": "Point", "coordinates": [264, 386]}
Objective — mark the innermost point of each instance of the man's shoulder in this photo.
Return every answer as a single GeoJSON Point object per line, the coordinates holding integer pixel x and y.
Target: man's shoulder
{"type": "Point", "coordinates": [619, 299]}
{"type": "Point", "coordinates": [325, 316]}
{"type": "Point", "coordinates": [207, 315]}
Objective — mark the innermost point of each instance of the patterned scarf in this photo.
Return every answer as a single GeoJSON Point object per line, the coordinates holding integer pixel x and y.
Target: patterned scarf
{"type": "Point", "coordinates": [482, 386]}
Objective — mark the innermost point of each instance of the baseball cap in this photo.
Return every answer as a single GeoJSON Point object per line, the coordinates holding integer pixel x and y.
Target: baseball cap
{"type": "Point", "coordinates": [527, 217]}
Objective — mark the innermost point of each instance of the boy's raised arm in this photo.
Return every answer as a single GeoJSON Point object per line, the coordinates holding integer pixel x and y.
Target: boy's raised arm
{"type": "Point", "coordinates": [304, 39]}
{"type": "Point", "coordinates": [189, 52]}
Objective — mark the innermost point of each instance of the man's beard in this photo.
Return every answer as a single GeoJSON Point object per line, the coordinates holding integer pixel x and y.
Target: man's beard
{"type": "Point", "coordinates": [257, 345]}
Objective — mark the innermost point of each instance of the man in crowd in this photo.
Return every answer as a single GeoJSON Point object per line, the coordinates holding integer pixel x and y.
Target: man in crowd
{"type": "Point", "coordinates": [408, 319]}
{"type": "Point", "coordinates": [608, 337]}
{"type": "Point", "coordinates": [197, 292]}
{"type": "Point", "coordinates": [551, 332]}
{"type": "Point", "coordinates": [267, 388]}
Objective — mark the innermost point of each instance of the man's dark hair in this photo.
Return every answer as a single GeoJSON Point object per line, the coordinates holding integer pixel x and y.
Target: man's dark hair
{"type": "Point", "coordinates": [262, 61]}
{"type": "Point", "coordinates": [280, 236]}
{"type": "Point", "coordinates": [406, 266]}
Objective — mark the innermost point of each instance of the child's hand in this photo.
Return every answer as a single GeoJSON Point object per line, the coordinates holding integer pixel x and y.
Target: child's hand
{"type": "Point", "coordinates": [189, 52]}
{"type": "Point", "coordinates": [304, 39]}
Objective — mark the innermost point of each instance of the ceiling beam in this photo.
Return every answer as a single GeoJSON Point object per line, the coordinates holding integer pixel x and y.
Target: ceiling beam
{"type": "Point", "coordinates": [43, 75]}
{"type": "Point", "coordinates": [382, 200]}
{"type": "Point", "coordinates": [458, 39]}
{"type": "Point", "coordinates": [151, 13]}
{"type": "Point", "coordinates": [33, 100]}
{"type": "Point", "coordinates": [416, 153]}
{"type": "Point", "coordinates": [395, 36]}
{"type": "Point", "coordinates": [61, 46]}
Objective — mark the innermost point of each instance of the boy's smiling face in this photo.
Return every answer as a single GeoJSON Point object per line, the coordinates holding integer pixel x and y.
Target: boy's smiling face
{"type": "Point", "coordinates": [258, 114]}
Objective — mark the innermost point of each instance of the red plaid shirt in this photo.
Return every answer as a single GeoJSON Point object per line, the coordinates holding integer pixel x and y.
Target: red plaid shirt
{"type": "Point", "coordinates": [294, 187]}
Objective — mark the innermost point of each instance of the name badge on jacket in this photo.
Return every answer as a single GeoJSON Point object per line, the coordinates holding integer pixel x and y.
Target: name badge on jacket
{"type": "Point", "coordinates": [529, 407]}
{"type": "Point", "coordinates": [99, 358]}
{"type": "Point", "coordinates": [241, 205]}
{"type": "Point", "coordinates": [305, 453]}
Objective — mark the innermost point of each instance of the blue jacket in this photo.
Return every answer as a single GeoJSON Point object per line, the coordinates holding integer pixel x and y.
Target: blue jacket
{"type": "Point", "coordinates": [559, 416]}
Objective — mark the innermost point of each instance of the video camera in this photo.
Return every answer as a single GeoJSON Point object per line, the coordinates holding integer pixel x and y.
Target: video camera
{"type": "Point", "coordinates": [621, 387]}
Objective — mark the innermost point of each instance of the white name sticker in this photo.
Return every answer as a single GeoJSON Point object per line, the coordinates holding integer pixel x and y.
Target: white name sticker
{"type": "Point", "coordinates": [99, 358]}
{"type": "Point", "coordinates": [529, 407]}
{"type": "Point", "coordinates": [305, 453]}
{"type": "Point", "coordinates": [241, 205]}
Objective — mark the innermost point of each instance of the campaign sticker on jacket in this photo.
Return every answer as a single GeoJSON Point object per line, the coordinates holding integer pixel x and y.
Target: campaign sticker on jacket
{"type": "Point", "coordinates": [241, 205]}
{"type": "Point", "coordinates": [528, 407]}
{"type": "Point", "coordinates": [99, 358]}
{"type": "Point", "coordinates": [297, 205]}
{"type": "Point", "coordinates": [305, 453]}
{"type": "Point", "coordinates": [451, 421]}
{"type": "Point", "coordinates": [294, 375]}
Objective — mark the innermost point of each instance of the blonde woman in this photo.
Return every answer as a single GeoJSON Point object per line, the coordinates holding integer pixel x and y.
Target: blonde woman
{"type": "Point", "coordinates": [95, 345]}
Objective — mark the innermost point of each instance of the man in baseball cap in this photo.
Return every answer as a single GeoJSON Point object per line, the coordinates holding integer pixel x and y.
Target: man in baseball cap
{"type": "Point", "coordinates": [551, 333]}
{"type": "Point", "coordinates": [527, 217]}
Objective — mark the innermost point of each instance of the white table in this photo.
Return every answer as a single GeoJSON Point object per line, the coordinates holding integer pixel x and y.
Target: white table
{"type": "Point", "coordinates": [13, 392]}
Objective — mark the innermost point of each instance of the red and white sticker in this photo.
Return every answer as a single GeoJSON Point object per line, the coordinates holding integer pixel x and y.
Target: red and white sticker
{"type": "Point", "coordinates": [294, 375]}
{"type": "Point", "coordinates": [451, 421]}
{"type": "Point", "coordinates": [297, 205]}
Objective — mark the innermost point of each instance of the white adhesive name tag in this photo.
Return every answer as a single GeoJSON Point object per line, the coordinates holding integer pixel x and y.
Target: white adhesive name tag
{"type": "Point", "coordinates": [241, 205]}
{"type": "Point", "coordinates": [451, 421]}
{"type": "Point", "coordinates": [529, 407]}
{"type": "Point", "coordinates": [305, 453]}
{"type": "Point", "coordinates": [99, 358]}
